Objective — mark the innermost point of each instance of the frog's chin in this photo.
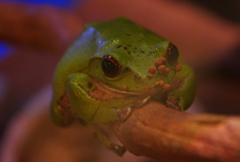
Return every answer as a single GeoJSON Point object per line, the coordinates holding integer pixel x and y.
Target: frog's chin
{"type": "Point", "coordinates": [104, 92]}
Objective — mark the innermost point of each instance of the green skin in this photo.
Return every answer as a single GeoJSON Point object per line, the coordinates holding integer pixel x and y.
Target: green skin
{"type": "Point", "coordinates": [79, 75]}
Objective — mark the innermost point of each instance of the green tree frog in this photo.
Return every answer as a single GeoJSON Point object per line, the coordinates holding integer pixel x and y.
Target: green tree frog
{"type": "Point", "coordinates": [114, 67]}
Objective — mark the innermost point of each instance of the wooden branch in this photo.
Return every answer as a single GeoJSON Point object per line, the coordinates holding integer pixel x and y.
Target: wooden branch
{"type": "Point", "coordinates": [168, 135]}
{"type": "Point", "coordinates": [43, 28]}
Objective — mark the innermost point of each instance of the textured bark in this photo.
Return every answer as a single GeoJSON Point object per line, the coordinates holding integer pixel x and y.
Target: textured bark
{"type": "Point", "coordinates": [165, 134]}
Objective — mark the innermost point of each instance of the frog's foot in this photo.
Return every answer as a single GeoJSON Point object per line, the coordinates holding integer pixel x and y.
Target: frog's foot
{"type": "Point", "coordinates": [119, 150]}
{"type": "Point", "coordinates": [181, 94]}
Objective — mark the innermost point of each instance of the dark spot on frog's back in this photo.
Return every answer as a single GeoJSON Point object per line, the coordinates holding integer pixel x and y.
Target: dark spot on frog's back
{"type": "Point", "coordinates": [128, 34]}
{"type": "Point", "coordinates": [119, 46]}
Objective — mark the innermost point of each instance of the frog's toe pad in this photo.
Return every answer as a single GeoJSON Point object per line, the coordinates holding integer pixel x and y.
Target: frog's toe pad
{"type": "Point", "coordinates": [119, 150]}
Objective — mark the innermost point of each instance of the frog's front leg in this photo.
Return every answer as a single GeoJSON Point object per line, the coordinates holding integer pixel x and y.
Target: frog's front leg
{"type": "Point", "coordinates": [75, 102]}
{"type": "Point", "coordinates": [183, 86]}
{"type": "Point", "coordinates": [77, 87]}
{"type": "Point", "coordinates": [94, 103]}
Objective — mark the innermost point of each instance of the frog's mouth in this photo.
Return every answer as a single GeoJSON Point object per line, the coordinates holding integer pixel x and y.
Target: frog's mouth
{"type": "Point", "coordinates": [104, 92]}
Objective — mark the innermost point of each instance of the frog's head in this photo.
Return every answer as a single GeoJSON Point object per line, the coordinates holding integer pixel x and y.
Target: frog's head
{"type": "Point", "coordinates": [116, 58]}
{"type": "Point", "coordinates": [135, 67]}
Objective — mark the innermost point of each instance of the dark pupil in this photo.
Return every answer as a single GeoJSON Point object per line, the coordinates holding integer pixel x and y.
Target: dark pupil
{"type": "Point", "coordinates": [172, 54]}
{"type": "Point", "coordinates": [110, 66]}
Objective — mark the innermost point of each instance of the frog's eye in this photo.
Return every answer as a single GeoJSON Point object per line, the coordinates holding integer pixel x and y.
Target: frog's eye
{"type": "Point", "coordinates": [172, 54]}
{"type": "Point", "coordinates": [110, 66]}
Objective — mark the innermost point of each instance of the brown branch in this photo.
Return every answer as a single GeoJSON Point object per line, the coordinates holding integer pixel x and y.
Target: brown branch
{"type": "Point", "coordinates": [40, 27]}
{"type": "Point", "coordinates": [168, 135]}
